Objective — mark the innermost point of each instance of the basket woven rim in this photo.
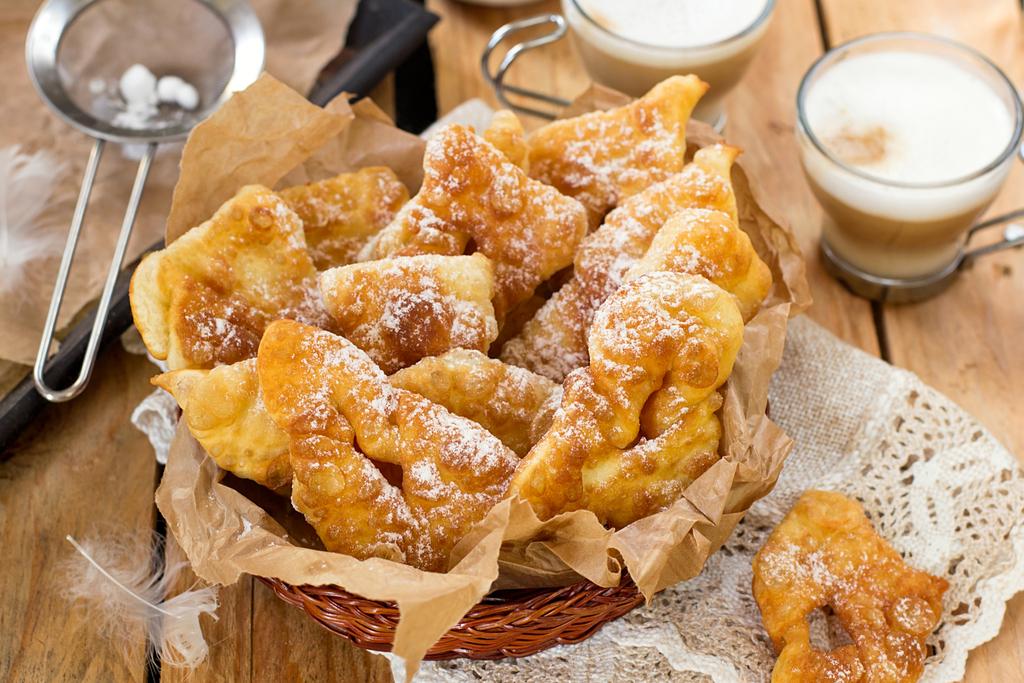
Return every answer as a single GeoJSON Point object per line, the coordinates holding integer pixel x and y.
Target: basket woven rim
{"type": "Point", "coordinates": [506, 623]}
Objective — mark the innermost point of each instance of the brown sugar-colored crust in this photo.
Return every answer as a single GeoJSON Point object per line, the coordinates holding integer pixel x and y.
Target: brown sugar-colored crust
{"type": "Point", "coordinates": [224, 410]}
{"type": "Point", "coordinates": [825, 553]}
{"type": "Point", "coordinates": [473, 199]}
{"type": "Point", "coordinates": [340, 214]}
{"type": "Point", "coordinates": [507, 135]}
{"type": "Point", "coordinates": [555, 341]}
{"type": "Point", "coordinates": [603, 157]}
{"type": "Point", "coordinates": [206, 299]}
{"type": "Point", "coordinates": [708, 243]}
{"type": "Point", "coordinates": [637, 425]}
{"type": "Point", "coordinates": [402, 309]}
{"type": "Point", "coordinates": [502, 398]}
{"type": "Point", "coordinates": [341, 415]}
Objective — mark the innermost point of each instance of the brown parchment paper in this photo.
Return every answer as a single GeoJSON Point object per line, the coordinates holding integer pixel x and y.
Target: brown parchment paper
{"type": "Point", "coordinates": [225, 533]}
{"type": "Point", "coordinates": [300, 41]}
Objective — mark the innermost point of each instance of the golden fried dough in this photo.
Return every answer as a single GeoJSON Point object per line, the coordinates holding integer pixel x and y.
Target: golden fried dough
{"type": "Point", "coordinates": [709, 243]}
{"type": "Point", "coordinates": [206, 299]}
{"type": "Point", "coordinates": [825, 553]}
{"type": "Point", "coordinates": [508, 137]}
{"type": "Point", "coordinates": [341, 414]}
{"type": "Point", "coordinates": [399, 310]}
{"type": "Point", "coordinates": [555, 341]}
{"type": "Point", "coordinates": [502, 398]}
{"type": "Point", "coordinates": [603, 157]}
{"type": "Point", "coordinates": [340, 214]}
{"type": "Point", "coordinates": [665, 340]}
{"type": "Point", "coordinates": [224, 411]}
{"type": "Point", "coordinates": [473, 199]}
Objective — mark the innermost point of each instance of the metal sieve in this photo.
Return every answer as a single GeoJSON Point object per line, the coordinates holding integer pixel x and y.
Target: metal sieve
{"type": "Point", "coordinates": [66, 54]}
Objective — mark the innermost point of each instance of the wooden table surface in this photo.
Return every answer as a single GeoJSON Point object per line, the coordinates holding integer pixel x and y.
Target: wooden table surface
{"type": "Point", "coordinates": [82, 464]}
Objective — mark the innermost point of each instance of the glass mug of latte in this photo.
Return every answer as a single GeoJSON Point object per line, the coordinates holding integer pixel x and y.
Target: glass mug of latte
{"type": "Point", "coordinates": [905, 140]}
{"type": "Point", "coordinates": [633, 45]}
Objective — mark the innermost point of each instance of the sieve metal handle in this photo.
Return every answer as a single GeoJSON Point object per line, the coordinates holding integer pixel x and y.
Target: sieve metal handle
{"type": "Point", "coordinates": [102, 309]}
{"type": "Point", "coordinates": [497, 79]}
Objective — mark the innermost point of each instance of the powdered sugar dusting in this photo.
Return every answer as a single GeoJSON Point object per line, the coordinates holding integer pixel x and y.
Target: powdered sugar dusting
{"type": "Point", "coordinates": [555, 342]}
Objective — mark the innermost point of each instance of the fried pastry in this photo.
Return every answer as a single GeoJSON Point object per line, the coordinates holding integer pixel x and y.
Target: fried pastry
{"type": "Point", "coordinates": [473, 199]}
{"type": "Point", "coordinates": [340, 214]}
{"type": "Point", "coordinates": [224, 411]}
{"type": "Point", "coordinates": [555, 341]}
{"type": "Point", "coordinates": [341, 415]}
{"type": "Point", "coordinates": [638, 425]}
{"type": "Point", "coordinates": [709, 243]}
{"type": "Point", "coordinates": [503, 399]}
{"type": "Point", "coordinates": [825, 553]}
{"type": "Point", "coordinates": [399, 310]}
{"type": "Point", "coordinates": [507, 135]}
{"type": "Point", "coordinates": [206, 299]}
{"type": "Point", "coordinates": [603, 157]}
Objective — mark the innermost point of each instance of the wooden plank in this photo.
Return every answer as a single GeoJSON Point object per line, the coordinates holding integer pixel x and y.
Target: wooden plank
{"type": "Point", "coordinates": [229, 635]}
{"type": "Point", "coordinates": [965, 342]}
{"type": "Point", "coordinates": [79, 468]}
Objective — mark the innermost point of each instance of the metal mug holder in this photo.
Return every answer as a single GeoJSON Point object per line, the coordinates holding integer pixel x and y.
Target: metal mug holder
{"type": "Point", "coordinates": [497, 79]}
{"type": "Point", "coordinates": [41, 48]}
{"type": "Point", "coordinates": [910, 290]}
{"type": "Point", "coordinates": [860, 282]}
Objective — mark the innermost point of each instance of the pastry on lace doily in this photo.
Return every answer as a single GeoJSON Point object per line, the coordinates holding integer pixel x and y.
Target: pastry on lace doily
{"type": "Point", "coordinates": [825, 554]}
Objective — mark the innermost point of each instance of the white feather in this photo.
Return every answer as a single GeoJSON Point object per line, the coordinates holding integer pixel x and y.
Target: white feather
{"type": "Point", "coordinates": [125, 583]}
{"type": "Point", "coordinates": [29, 229]}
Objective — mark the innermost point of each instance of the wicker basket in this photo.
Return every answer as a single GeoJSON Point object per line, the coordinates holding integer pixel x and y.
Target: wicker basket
{"type": "Point", "coordinates": [511, 623]}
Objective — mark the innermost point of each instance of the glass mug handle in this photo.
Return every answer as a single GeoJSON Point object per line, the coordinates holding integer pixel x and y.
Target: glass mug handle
{"type": "Point", "coordinates": [497, 78]}
{"type": "Point", "coordinates": [1013, 234]}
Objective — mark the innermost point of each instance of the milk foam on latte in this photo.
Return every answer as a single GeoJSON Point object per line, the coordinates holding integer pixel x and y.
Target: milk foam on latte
{"type": "Point", "coordinates": [675, 23]}
{"type": "Point", "coordinates": [908, 117]}
{"type": "Point", "coordinates": [919, 129]}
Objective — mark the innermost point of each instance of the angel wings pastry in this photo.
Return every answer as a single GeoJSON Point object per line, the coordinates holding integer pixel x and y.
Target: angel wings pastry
{"type": "Point", "coordinates": [686, 224]}
{"type": "Point", "coordinates": [474, 199]}
{"type": "Point", "coordinates": [206, 299]}
{"type": "Point", "coordinates": [224, 410]}
{"type": "Point", "coordinates": [603, 157]}
{"type": "Point", "coordinates": [340, 214]}
{"type": "Point", "coordinates": [399, 310]}
{"type": "Point", "coordinates": [341, 415]}
{"type": "Point", "coordinates": [826, 553]}
{"type": "Point", "coordinates": [660, 348]}
{"type": "Point", "coordinates": [512, 403]}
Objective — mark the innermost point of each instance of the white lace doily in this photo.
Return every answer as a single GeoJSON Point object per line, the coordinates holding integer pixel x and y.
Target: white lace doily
{"type": "Point", "coordinates": [932, 480]}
